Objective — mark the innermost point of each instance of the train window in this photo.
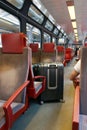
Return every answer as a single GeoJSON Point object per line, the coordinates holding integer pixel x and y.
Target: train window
{"type": "Point", "coordinates": [61, 41]}
{"type": "Point", "coordinates": [59, 27]}
{"type": "Point", "coordinates": [49, 25]}
{"type": "Point", "coordinates": [60, 35]}
{"type": "Point", "coordinates": [8, 22]}
{"type": "Point", "coordinates": [16, 3]}
{"type": "Point", "coordinates": [35, 14]}
{"type": "Point", "coordinates": [55, 31]}
{"type": "Point", "coordinates": [33, 34]}
{"type": "Point", "coordinates": [47, 37]}
{"type": "Point", "coordinates": [40, 6]}
{"type": "Point", "coordinates": [54, 39]}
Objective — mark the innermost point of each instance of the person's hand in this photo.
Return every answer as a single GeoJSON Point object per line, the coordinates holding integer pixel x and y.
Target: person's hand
{"type": "Point", "coordinates": [76, 82]}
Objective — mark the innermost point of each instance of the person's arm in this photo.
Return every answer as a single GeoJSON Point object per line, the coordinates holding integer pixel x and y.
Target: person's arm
{"type": "Point", "coordinates": [73, 77]}
{"type": "Point", "coordinates": [75, 73]}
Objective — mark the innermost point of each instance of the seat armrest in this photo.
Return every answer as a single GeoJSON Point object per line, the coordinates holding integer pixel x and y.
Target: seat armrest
{"type": "Point", "coordinates": [43, 78]}
{"type": "Point", "coordinates": [7, 105]}
{"type": "Point", "coordinates": [75, 121]}
{"type": "Point", "coordinates": [39, 77]}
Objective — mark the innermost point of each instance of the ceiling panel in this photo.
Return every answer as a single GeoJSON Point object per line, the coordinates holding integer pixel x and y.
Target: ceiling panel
{"type": "Point", "coordinates": [58, 9]}
{"type": "Point", "coordinates": [81, 17]}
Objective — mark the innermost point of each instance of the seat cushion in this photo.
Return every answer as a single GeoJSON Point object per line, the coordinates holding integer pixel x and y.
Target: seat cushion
{"type": "Point", "coordinates": [38, 86]}
{"type": "Point", "coordinates": [15, 107]}
{"type": "Point", "coordinates": [2, 113]}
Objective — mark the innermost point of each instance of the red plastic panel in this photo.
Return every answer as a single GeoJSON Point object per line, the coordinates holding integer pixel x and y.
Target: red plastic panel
{"type": "Point", "coordinates": [34, 47]}
{"type": "Point", "coordinates": [75, 122]}
{"type": "Point", "coordinates": [13, 42]}
{"type": "Point", "coordinates": [60, 48]}
{"type": "Point", "coordinates": [48, 47]}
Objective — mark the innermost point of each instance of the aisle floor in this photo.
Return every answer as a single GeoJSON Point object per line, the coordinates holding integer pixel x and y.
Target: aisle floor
{"type": "Point", "coordinates": [50, 116]}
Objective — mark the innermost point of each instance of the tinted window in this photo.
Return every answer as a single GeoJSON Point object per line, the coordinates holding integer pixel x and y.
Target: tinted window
{"type": "Point", "coordinates": [33, 34]}
{"type": "Point", "coordinates": [35, 14]}
{"type": "Point", "coordinates": [55, 31]}
{"type": "Point", "coordinates": [16, 3]}
{"type": "Point", "coordinates": [8, 22]}
{"type": "Point", "coordinates": [49, 25]}
{"type": "Point", "coordinates": [47, 37]}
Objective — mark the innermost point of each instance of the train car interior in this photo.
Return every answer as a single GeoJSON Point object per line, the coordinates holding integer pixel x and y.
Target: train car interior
{"type": "Point", "coordinates": [40, 43]}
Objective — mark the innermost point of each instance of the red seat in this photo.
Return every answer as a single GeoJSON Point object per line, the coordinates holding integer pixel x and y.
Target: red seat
{"type": "Point", "coordinates": [14, 69]}
{"type": "Point", "coordinates": [68, 54]}
{"type": "Point", "coordinates": [48, 47]}
{"type": "Point", "coordinates": [35, 88]}
{"type": "Point", "coordinates": [60, 53]}
{"type": "Point", "coordinates": [60, 48]}
{"type": "Point", "coordinates": [34, 47]}
{"type": "Point", "coordinates": [48, 53]}
{"type": "Point", "coordinates": [85, 44]}
{"type": "Point", "coordinates": [36, 54]}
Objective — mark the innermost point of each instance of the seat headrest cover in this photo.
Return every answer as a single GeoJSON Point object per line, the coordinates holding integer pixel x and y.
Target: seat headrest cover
{"type": "Point", "coordinates": [12, 42]}
{"type": "Point", "coordinates": [85, 44]}
{"type": "Point", "coordinates": [60, 48]}
{"type": "Point", "coordinates": [48, 47]}
{"type": "Point", "coordinates": [34, 47]}
{"type": "Point", "coordinates": [68, 50]}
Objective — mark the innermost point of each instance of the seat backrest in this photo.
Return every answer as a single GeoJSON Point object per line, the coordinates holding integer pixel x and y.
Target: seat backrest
{"type": "Point", "coordinates": [68, 50]}
{"type": "Point", "coordinates": [48, 53]}
{"type": "Point", "coordinates": [34, 47]}
{"type": "Point", "coordinates": [85, 44]}
{"type": "Point", "coordinates": [60, 48]}
{"type": "Point", "coordinates": [83, 82]}
{"type": "Point", "coordinates": [35, 53]}
{"type": "Point", "coordinates": [60, 53]}
{"type": "Point", "coordinates": [14, 65]}
{"type": "Point", "coordinates": [31, 74]}
{"type": "Point", "coordinates": [48, 47]}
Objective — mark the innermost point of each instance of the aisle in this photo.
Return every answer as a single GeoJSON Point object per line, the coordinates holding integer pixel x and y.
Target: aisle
{"type": "Point", "coordinates": [50, 116]}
